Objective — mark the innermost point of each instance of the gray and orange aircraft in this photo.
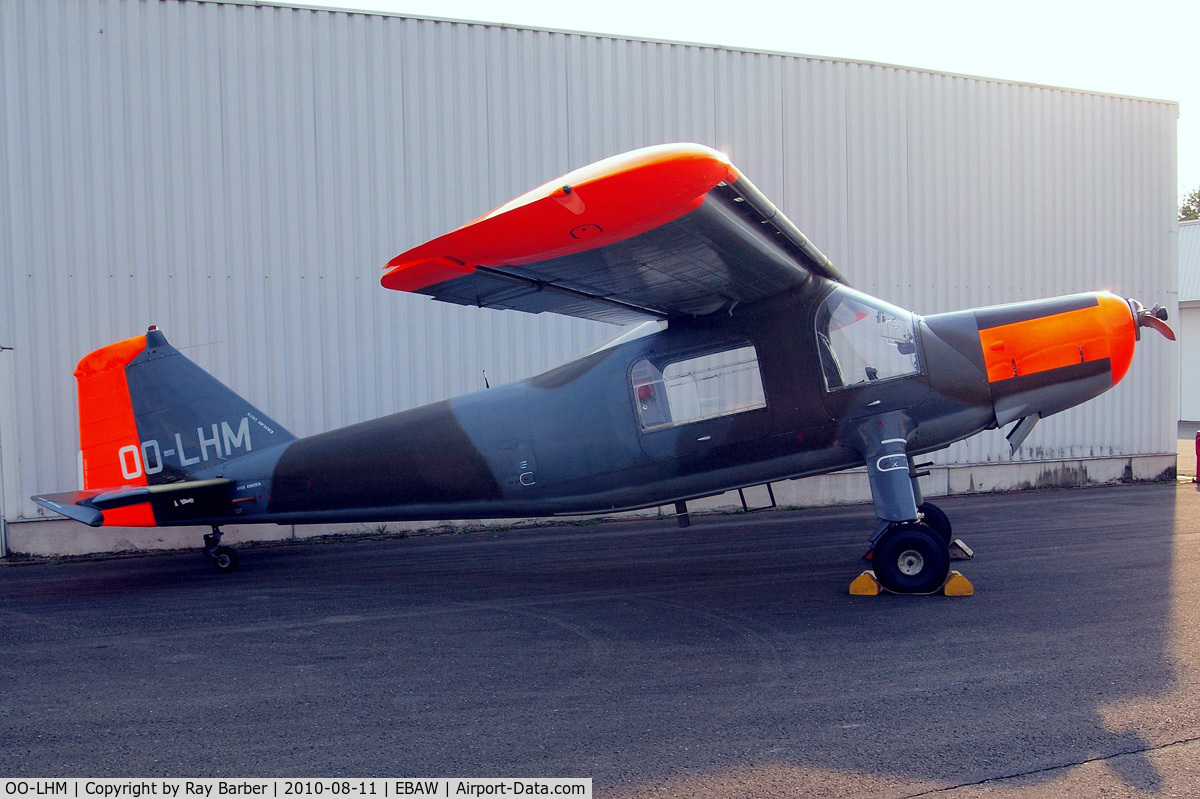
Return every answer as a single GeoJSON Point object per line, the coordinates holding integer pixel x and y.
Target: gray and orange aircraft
{"type": "Point", "coordinates": [754, 362]}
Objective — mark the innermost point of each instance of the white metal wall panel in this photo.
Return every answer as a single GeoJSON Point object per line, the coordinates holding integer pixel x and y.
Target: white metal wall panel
{"type": "Point", "coordinates": [238, 174]}
{"type": "Point", "coordinates": [1189, 321]}
{"type": "Point", "coordinates": [1188, 328]}
{"type": "Point", "coordinates": [815, 168]}
{"type": "Point", "coordinates": [1189, 261]}
{"type": "Point", "coordinates": [878, 258]}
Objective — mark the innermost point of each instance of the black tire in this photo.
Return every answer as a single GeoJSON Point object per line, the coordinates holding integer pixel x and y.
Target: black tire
{"type": "Point", "coordinates": [225, 559]}
{"type": "Point", "coordinates": [910, 558]}
{"type": "Point", "coordinates": [936, 520]}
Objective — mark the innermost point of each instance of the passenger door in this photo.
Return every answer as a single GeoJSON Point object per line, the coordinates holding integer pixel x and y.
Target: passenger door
{"type": "Point", "coordinates": [700, 400]}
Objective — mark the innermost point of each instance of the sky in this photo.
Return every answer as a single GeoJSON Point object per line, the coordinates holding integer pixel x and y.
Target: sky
{"type": "Point", "coordinates": [1144, 49]}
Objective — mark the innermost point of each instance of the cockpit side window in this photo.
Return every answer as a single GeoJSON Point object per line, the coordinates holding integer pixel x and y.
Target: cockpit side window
{"type": "Point", "coordinates": [861, 339]}
{"type": "Point", "coordinates": [689, 390]}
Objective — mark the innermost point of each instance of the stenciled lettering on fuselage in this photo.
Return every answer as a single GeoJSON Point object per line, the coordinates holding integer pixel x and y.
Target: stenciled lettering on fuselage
{"type": "Point", "coordinates": [214, 442]}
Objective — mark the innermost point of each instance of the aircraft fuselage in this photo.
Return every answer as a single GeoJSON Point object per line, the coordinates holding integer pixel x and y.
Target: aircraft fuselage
{"type": "Point", "coordinates": [578, 439]}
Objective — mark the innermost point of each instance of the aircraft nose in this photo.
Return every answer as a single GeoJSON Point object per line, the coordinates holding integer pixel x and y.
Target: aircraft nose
{"type": "Point", "coordinates": [1123, 321]}
{"type": "Point", "coordinates": [1120, 330]}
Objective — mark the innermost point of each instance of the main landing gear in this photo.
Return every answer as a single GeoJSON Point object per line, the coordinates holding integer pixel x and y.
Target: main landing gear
{"type": "Point", "coordinates": [913, 557]}
{"type": "Point", "coordinates": [913, 544]}
{"type": "Point", "coordinates": [224, 559]}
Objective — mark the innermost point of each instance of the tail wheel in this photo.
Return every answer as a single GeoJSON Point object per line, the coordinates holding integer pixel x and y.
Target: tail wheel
{"type": "Point", "coordinates": [225, 559]}
{"type": "Point", "coordinates": [910, 558]}
{"type": "Point", "coordinates": [936, 519]}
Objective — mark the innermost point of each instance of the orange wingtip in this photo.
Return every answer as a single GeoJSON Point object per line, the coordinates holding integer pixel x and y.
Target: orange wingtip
{"type": "Point", "coordinates": [599, 204]}
{"type": "Point", "coordinates": [416, 275]}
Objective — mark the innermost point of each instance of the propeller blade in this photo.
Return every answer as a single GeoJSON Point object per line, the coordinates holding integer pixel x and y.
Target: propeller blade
{"type": "Point", "coordinates": [1155, 318]}
{"type": "Point", "coordinates": [1157, 324]}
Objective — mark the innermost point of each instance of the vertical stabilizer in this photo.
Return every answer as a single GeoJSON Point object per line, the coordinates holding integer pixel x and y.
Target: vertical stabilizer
{"type": "Point", "coordinates": [148, 415]}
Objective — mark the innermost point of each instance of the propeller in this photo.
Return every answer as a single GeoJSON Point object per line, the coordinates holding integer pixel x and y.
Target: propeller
{"type": "Point", "coordinates": [1154, 318]}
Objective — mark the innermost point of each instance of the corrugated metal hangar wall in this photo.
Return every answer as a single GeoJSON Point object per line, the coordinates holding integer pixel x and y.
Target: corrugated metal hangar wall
{"type": "Point", "coordinates": [1189, 321]}
{"type": "Point", "coordinates": [238, 174]}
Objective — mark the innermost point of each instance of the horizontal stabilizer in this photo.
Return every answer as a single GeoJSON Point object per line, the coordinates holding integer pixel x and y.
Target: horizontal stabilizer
{"type": "Point", "coordinates": [88, 506]}
{"type": "Point", "coordinates": [69, 504]}
{"type": "Point", "coordinates": [120, 497]}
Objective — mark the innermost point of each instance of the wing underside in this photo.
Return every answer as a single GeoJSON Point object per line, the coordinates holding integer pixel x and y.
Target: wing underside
{"type": "Point", "coordinates": [663, 232]}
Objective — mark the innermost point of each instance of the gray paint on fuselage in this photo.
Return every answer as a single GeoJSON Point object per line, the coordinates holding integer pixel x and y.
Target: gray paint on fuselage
{"type": "Point", "coordinates": [568, 441]}
{"type": "Point", "coordinates": [417, 457]}
{"type": "Point", "coordinates": [572, 433]}
{"type": "Point", "coordinates": [959, 403]}
{"type": "Point", "coordinates": [999, 315]}
{"type": "Point", "coordinates": [959, 333]}
{"type": "Point", "coordinates": [1040, 395]}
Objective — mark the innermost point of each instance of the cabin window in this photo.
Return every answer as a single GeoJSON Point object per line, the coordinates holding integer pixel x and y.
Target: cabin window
{"type": "Point", "coordinates": [704, 387]}
{"type": "Point", "coordinates": [861, 339]}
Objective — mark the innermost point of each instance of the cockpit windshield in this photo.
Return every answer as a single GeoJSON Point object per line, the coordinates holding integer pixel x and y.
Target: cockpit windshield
{"type": "Point", "coordinates": [861, 339]}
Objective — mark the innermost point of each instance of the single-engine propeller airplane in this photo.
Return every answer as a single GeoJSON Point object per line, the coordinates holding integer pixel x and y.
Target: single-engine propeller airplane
{"type": "Point", "coordinates": [754, 362]}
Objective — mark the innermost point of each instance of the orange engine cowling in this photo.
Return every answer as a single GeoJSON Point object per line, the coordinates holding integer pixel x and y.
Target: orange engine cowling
{"type": "Point", "coordinates": [1048, 355]}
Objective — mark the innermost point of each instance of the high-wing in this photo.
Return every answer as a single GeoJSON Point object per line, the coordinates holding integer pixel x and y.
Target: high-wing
{"type": "Point", "coordinates": [666, 231]}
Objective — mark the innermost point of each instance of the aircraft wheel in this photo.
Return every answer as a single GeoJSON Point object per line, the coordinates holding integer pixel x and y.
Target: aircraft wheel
{"type": "Point", "coordinates": [937, 520]}
{"type": "Point", "coordinates": [910, 558]}
{"type": "Point", "coordinates": [225, 559]}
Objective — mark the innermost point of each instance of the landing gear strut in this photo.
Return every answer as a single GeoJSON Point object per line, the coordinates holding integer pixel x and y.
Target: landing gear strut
{"type": "Point", "coordinates": [224, 559]}
{"type": "Point", "coordinates": [911, 545]}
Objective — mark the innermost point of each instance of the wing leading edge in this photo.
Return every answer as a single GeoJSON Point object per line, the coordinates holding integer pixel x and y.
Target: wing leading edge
{"type": "Point", "coordinates": [666, 231]}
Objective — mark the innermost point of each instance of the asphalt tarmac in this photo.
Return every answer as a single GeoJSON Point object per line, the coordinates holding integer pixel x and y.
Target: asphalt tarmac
{"type": "Point", "coordinates": [722, 660]}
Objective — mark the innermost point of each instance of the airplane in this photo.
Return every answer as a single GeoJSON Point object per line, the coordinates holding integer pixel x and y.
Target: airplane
{"type": "Point", "coordinates": [752, 360]}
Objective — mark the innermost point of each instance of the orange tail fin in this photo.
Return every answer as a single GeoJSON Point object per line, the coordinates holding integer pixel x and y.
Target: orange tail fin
{"type": "Point", "coordinates": [151, 422]}
{"type": "Point", "coordinates": [108, 436]}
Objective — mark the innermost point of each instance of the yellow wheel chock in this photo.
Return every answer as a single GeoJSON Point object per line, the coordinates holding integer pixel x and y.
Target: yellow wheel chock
{"type": "Point", "coordinates": [956, 584]}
